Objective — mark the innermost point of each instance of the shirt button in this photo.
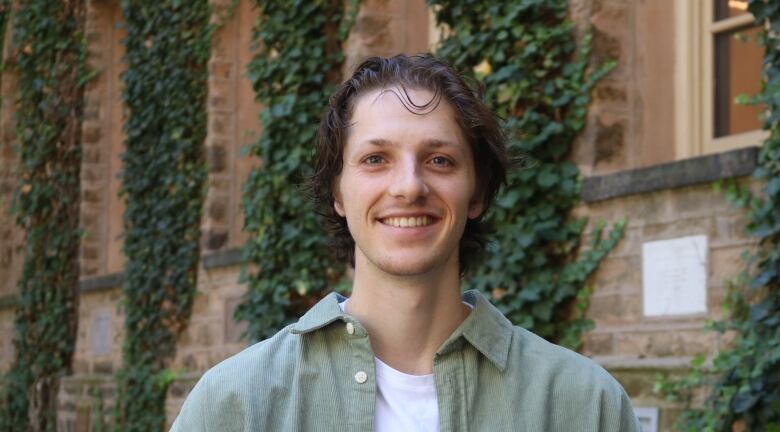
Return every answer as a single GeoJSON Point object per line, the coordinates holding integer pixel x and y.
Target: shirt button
{"type": "Point", "coordinates": [350, 328]}
{"type": "Point", "coordinates": [361, 377]}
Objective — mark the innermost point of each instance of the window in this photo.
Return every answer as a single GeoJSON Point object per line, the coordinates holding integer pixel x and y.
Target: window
{"type": "Point", "coordinates": [718, 60]}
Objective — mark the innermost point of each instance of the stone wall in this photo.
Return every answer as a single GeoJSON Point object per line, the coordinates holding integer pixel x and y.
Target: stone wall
{"type": "Point", "coordinates": [631, 121]}
{"type": "Point", "coordinates": [233, 124]}
{"type": "Point", "coordinates": [211, 336]}
{"type": "Point", "coordinates": [11, 237]}
{"type": "Point", "coordinates": [636, 347]}
{"type": "Point", "coordinates": [103, 142]}
{"type": "Point", "coordinates": [388, 27]}
{"type": "Point", "coordinates": [629, 126]}
{"type": "Point", "coordinates": [622, 334]}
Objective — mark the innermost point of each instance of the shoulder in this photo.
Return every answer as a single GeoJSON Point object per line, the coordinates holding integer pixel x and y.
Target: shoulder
{"type": "Point", "coordinates": [230, 394]}
{"type": "Point", "coordinates": [263, 361]}
{"type": "Point", "coordinates": [576, 390]}
{"type": "Point", "coordinates": [562, 369]}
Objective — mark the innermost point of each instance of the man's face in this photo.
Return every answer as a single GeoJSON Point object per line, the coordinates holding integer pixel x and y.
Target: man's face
{"type": "Point", "coordinates": [407, 184]}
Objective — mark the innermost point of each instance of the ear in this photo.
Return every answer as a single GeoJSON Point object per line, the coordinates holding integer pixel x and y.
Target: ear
{"type": "Point", "coordinates": [475, 208]}
{"type": "Point", "coordinates": [336, 191]}
{"type": "Point", "coordinates": [337, 204]}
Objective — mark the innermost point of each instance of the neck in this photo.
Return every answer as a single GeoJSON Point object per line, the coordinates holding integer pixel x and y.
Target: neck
{"type": "Point", "coordinates": [407, 317]}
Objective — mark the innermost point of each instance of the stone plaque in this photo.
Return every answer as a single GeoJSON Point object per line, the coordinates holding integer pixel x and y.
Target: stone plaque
{"type": "Point", "coordinates": [648, 418]}
{"type": "Point", "coordinates": [102, 332]}
{"type": "Point", "coordinates": [674, 276]}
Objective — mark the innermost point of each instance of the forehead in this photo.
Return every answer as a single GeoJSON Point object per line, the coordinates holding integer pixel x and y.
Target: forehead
{"type": "Point", "coordinates": [403, 115]}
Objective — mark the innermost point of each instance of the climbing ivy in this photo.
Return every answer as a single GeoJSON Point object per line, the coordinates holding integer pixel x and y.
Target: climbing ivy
{"type": "Point", "coordinates": [168, 45]}
{"type": "Point", "coordinates": [540, 86]}
{"type": "Point", "coordinates": [5, 15]}
{"type": "Point", "coordinates": [48, 53]}
{"type": "Point", "coordinates": [743, 381]}
{"type": "Point", "coordinates": [537, 79]}
{"type": "Point", "coordinates": [298, 60]}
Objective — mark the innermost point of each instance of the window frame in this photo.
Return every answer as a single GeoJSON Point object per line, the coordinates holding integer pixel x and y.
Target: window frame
{"type": "Point", "coordinates": [696, 28]}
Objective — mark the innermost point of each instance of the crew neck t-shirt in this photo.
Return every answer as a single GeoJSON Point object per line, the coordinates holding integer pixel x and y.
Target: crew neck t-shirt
{"type": "Point", "coordinates": [404, 402]}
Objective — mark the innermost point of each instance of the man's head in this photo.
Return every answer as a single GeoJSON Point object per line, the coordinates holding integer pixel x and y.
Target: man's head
{"type": "Point", "coordinates": [402, 76]}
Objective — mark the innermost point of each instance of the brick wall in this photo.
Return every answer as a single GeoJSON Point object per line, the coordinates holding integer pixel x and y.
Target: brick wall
{"type": "Point", "coordinates": [628, 127]}
{"type": "Point", "coordinates": [634, 347]}
{"type": "Point", "coordinates": [623, 335]}
{"type": "Point", "coordinates": [387, 27]}
{"type": "Point", "coordinates": [10, 236]}
{"type": "Point", "coordinates": [211, 336]}
{"type": "Point", "coordinates": [103, 142]}
{"type": "Point", "coordinates": [631, 121]}
{"type": "Point", "coordinates": [233, 124]}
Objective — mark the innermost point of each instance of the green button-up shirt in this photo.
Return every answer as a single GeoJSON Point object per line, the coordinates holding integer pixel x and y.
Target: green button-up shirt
{"type": "Point", "coordinates": [318, 375]}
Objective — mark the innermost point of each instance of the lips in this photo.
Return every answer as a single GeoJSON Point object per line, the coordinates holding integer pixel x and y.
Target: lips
{"type": "Point", "coordinates": [407, 221]}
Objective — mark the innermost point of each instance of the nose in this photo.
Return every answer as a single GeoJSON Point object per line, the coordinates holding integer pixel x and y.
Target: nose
{"type": "Point", "coordinates": [408, 183]}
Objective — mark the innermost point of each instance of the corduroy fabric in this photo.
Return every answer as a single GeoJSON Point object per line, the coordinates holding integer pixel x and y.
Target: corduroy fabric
{"type": "Point", "coordinates": [490, 376]}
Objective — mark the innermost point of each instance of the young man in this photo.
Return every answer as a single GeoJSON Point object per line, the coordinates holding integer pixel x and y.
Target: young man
{"type": "Point", "coordinates": [408, 160]}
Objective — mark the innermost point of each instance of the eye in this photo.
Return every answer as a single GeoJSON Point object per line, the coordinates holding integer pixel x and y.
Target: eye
{"type": "Point", "coordinates": [373, 160]}
{"type": "Point", "coordinates": [441, 161]}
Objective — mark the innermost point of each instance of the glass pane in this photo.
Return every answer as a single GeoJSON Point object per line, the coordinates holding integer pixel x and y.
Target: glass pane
{"type": "Point", "coordinates": [738, 59]}
{"type": "Point", "coordinates": [729, 8]}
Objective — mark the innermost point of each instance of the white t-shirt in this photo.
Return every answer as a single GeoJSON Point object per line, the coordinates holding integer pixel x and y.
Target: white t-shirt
{"type": "Point", "coordinates": [404, 403]}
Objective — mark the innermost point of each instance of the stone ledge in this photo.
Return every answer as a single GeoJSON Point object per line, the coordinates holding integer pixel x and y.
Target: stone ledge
{"type": "Point", "coordinates": [624, 363]}
{"type": "Point", "coordinates": [223, 258]}
{"type": "Point", "coordinates": [665, 323]}
{"type": "Point", "coordinates": [8, 301]}
{"type": "Point", "coordinates": [213, 260]}
{"type": "Point", "coordinates": [686, 172]}
{"type": "Point", "coordinates": [100, 283]}
{"type": "Point", "coordinates": [210, 261]}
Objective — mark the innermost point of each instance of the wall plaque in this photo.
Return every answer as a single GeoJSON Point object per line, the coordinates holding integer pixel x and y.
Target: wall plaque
{"type": "Point", "coordinates": [674, 276]}
{"type": "Point", "coordinates": [648, 418]}
{"type": "Point", "coordinates": [102, 332]}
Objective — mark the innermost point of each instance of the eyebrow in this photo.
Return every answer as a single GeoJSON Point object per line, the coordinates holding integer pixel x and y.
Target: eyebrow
{"type": "Point", "coordinates": [435, 143]}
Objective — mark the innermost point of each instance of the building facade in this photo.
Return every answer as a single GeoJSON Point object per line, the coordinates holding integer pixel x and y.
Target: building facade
{"type": "Point", "coordinates": [663, 126]}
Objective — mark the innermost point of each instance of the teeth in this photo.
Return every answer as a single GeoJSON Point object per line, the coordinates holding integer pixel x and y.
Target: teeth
{"type": "Point", "coordinates": [407, 222]}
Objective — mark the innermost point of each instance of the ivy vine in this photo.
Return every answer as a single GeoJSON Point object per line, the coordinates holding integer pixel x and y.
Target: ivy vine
{"type": "Point", "coordinates": [298, 61]}
{"type": "Point", "coordinates": [49, 57]}
{"type": "Point", "coordinates": [541, 85]}
{"type": "Point", "coordinates": [5, 15]}
{"type": "Point", "coordinates": [168, 46]}
{"type": "Point", "coordinates": [743, 381]}
{"type": "Point", "coordinates": [538, 80]}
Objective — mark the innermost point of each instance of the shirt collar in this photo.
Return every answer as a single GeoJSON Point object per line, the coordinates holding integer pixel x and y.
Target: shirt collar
{"type": "Point", "coordinates": [485, 328]}
{"type": "Point", "coordinates": [321, 314]}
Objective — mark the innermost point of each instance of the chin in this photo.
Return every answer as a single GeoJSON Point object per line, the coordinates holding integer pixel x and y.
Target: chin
{"type": "Point", "coordinates": [407, 267]}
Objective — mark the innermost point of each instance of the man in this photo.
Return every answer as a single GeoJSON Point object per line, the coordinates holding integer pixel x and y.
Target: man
{"type": "Point", "coordinates": [408, 160]}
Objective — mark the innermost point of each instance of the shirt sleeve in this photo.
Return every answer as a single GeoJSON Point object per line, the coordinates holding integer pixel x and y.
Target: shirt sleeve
{"type": "Point", "coordinates": [620, 417]}
{"type": "Point", "coordinates": [191, 416]}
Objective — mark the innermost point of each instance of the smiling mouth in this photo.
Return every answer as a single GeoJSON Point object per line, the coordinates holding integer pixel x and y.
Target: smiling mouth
{"type": "Point", "coordinates": [407, 222]}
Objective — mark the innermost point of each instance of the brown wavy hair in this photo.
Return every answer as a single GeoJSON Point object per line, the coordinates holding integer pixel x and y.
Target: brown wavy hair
{"type": "Point", "coordinates": [478, 123]}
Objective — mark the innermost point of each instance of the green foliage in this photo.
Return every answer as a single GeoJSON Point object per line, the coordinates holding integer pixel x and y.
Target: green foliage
{"type": "Point", "coordinates": [743, 381]}
{"type": "Point", "coordinates": [168, 45]}
{"type": "Point", "coordinates": [537, 79]}
{"type": "Point", "coordinates": [5, 15]}
{"type": "Point", "coordinates": [48, 55]}
{"type": "Point", "coordinates": [97, 413]}
{"type": "Point", "coordinates": [298, 61]}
